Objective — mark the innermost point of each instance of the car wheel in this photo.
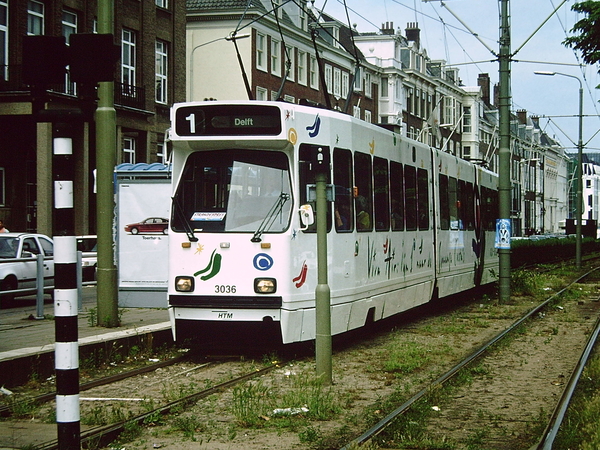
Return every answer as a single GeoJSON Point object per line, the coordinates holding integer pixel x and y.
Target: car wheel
{"type": "Point", "coordinates": [8, 284]}
{"type": "Point", "coordinates": [134, 231]}
{"type": "Point", "coordinates": [165, 231]}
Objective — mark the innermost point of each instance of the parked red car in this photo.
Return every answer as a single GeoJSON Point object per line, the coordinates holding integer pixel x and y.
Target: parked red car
{"type": "Point", "coordinates": [149, 225]}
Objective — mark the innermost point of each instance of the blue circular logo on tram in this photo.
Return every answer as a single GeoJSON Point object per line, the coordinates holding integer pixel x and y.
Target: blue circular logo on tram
{"type": "Point", "coordinates": [262, 261]}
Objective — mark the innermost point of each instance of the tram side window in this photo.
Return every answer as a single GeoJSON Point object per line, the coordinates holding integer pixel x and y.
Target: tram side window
{"type": "Point", "coordinates": [423, 198]}
{"type": "Point", "coordinates": [306, 177]}
{"type": "Point", "coordinates": [444, 203]}
{"type": "Point", "coordinates": [363, 195]}
{"type": "Point", "coordinates": [410, 190]}
{"type": "Point", "coordinates": [342, 178]}
{"type": "Point", "coordinates": [467, 202]}
{"type": "Point", "coordinates": [381, 194]}
{"type": "Point", "coordinates": [454, 204]}
{"type": "Point", "coordinates": [397, 195]}
{"type": "Point", "coordinates": [489, 208]}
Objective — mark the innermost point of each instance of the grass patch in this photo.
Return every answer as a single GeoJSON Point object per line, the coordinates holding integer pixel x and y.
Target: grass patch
{"type": "Point", "coordinates": [580, 428]}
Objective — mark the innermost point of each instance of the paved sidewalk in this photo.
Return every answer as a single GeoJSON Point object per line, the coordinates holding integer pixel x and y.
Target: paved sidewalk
{"type": "Point", "coordinates": [21, 334]}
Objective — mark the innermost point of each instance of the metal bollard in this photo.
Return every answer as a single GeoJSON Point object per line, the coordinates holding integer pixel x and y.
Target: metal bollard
{"type": "Point", "coordinates": [39, 282]}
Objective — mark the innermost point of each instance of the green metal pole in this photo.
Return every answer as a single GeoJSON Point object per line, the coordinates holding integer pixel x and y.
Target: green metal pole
{"type": "Point", "coordinates": [504, 151]}
{"type": "Point", "coordinates": [322, 293]}
{"type": "Point", "coordinates": [106, 145]}
{"type": "Point", "coordinates": [579, 199]}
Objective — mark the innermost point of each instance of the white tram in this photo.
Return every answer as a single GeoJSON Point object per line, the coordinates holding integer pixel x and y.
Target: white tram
{"type": "Point", "coordinates": [407, 223]}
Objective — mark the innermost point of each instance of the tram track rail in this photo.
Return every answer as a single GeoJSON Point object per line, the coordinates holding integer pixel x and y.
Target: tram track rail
{"type": "Point", "coordinates": [551, 431]}
{"type": "Point", "coordinates": [6, 410]}
{"type": "Point", "coordinates": [561, 407]}
{"type": "Point", "coordinates": [103, 435]}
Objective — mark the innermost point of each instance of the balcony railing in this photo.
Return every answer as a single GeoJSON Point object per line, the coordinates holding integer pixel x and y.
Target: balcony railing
{"type": "Point", "coordinates": [131, 96]}
{"type": "Point", "coordinates": [11, 81]}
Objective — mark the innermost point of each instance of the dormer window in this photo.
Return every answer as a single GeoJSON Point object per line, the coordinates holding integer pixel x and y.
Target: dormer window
{"type": "Point", "coordinates": [302, 20]}
{"type": "Point", "coordinates": [332, 35]}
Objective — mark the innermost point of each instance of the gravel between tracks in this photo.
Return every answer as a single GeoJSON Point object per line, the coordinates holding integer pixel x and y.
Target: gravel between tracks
{"type": "Point", "coordinates": [518, 389]}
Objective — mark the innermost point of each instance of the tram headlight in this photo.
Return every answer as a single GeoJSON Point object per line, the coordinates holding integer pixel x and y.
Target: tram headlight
{"type": "Point", "coordinates": [184, 284]}
{"type": "Point", "coordinates": [265, 285]}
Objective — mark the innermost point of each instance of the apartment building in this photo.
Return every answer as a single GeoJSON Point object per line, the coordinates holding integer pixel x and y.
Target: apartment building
{"type": "Point", "coordinates": [285, 51]}
{"type": "Point", "coordinates": [149, 77]}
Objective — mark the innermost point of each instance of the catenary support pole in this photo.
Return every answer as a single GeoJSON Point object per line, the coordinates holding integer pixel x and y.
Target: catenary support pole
{"type": "Point", "coordinates": [504, 156]}
{"type": "Point", "coordinates": [65, 292]}
{"type": "Point", "coordinates": [322, 292]}
{"type": "Point", "coordinates": [106, 149]}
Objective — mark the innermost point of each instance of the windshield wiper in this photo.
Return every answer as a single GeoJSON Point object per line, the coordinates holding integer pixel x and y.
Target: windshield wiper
{"type": "Point", "coordinates": [186, 225]}
{"type": "Point", "coordinates": [270, 217]}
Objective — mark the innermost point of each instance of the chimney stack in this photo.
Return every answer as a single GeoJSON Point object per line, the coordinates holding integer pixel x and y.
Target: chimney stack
{"type": "Point", "coordinates": [483, 81]}
{"type": "Point", "coordinates": [413, 33]}
{"type": "Point", "coordinates": [522, 116]}
{"type": "Point", "coordinates": [388, 28]}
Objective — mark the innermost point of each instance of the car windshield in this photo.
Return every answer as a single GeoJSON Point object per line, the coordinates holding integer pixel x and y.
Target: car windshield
{"type": "Point", "coordinates": [234, 191]}
{"type": "Point", "coordinates": [8, 247]}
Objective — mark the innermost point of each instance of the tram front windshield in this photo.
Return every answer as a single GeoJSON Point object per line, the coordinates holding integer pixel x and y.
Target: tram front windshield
{"type": "Point", "coordinates": [233, 191]}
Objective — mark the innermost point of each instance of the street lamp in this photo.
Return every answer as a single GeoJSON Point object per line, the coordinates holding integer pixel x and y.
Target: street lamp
{"type": "Point", "coordinates": [232, 37]}
{"type": "Point", "coordinates": [579, 177]}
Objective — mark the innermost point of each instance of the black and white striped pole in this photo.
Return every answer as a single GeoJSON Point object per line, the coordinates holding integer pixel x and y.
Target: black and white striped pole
{"type": "Point", "coordinates": [65, 292]}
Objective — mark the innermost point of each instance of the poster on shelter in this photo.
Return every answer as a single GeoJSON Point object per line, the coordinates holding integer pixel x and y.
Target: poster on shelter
{"type": "Point", "coordinates": [143, 212]}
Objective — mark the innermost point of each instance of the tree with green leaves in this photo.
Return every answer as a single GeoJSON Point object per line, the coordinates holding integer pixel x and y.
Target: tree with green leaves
{"type": "Point", "coordinates": [587, 41]}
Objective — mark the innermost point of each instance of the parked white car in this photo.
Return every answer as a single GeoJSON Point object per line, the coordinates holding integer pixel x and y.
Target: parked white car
{"type": "Point", "coordinates": [87, 245]}
{"type": "Point", "coordinates": [22, 274]}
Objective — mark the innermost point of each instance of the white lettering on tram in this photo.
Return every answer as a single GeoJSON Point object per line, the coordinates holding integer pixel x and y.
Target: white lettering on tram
{"type": "Point", "coordinates": [249, 122]}
{"type": "Point", "coordinates": [224, 315]}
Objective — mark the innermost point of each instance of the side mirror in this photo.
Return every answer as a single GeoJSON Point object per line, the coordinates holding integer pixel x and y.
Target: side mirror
{"type": "Point", "coordinates": [307, 216]}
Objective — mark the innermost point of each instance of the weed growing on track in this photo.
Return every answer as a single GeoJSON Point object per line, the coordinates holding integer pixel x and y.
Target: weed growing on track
{"type": "Point", "coordinates": [285, 405]}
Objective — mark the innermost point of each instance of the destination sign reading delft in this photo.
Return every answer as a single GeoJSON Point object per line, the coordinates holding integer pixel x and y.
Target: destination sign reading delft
{"type": "Point", "coordinates": [228, 120]}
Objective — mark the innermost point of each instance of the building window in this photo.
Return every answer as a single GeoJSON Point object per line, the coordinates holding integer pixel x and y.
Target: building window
{"type": "Point", "coordinates": [302, 22]}
{"type": "Point", "coordinates": [161, 154]}
{"type": "Point", "coordinates": [337, 82]}
{"type": "Point", "coordinates": [449, 110]}
{"type": "Point", "coordinates": [368, 87]}
{"type": "Point", "coordinates": [69, 27]}
{"type": "Point", "coordinates": [129, 150]}
{"type": "Point", "coordinates": [277, 8]}
{"type": "Point", "coordinates": [162, 3]}
{"type": "Point", "coordinates": [261, 93]}
{"type": "Point", "coordinates": [358, 79]}
{"type": "Point", "coordinates": [384, 87]}
{"type": "Point", "coordinates": [291, 61]}
{"type": "Point", "coordinates": [261, 62]}
{"type": "Point", "coordinates": [314, 73]}
{"type": "Point", "coordinates": [345, 83]}
{"type": "Point", "coordinates": [289, 98]}
{"type": "Point", "coordinates": [4, 38]}
{"type": "Point", "coordinates": [275, 57]}
{"type": "Point", "coordinates": [405, 58]}
{"type": "Point", "coordinates": [161, 72]}
{"type": "Point", "coordinates": [328, 77]}
{"type": "Point", "coordinates": [302, 67]}
{"type": "Point", "coordinates": [35, 18]}
{"type": "Point", "coordinates": [128, 57]}
{"type": "Point", "coordinates": [368, 116]}
{"type": "Point", "coordinates": [69, 24]}
{"type": "Point", "coordinates": [356, 112]}
{"type": "Point", "coordinates": [467, 119]}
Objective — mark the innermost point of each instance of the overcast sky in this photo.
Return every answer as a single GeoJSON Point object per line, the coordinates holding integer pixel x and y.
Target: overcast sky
{"type": "Point", "coordinates": [445, 37]}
